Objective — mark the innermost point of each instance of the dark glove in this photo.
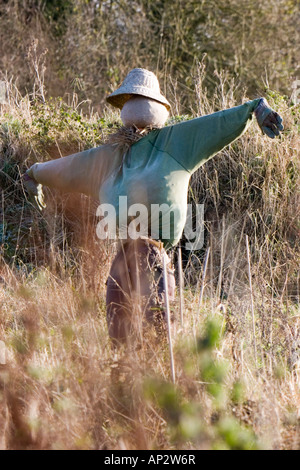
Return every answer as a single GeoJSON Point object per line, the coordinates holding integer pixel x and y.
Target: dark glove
{"type": "Point", "coordinates": [268, 120]}
{"type": "Point", "coordinates": [35, 191]}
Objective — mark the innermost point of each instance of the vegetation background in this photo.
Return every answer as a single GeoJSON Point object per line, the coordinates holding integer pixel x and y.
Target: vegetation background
{"type": "Point", "coordinates": [237, 349]}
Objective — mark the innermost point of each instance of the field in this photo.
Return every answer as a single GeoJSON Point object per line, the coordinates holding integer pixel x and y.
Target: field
{"type": "Point", "coordinates": [237, 351]}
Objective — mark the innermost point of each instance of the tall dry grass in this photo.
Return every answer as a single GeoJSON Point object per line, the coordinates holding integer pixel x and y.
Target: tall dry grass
{"type": "Point", "coordinates": [237, 352]}
{"type": "Point", "coordinates": [93, 44]}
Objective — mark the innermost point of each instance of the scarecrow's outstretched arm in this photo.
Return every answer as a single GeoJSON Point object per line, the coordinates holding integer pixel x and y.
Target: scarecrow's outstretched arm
{"type": "Point", "coordinates": [81, 172]}
{"type": "Point", "coordinates": [193, 142]}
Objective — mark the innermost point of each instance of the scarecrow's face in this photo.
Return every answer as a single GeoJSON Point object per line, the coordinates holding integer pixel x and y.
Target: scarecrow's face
{"type": "Point", "coordinates": [141, 112]}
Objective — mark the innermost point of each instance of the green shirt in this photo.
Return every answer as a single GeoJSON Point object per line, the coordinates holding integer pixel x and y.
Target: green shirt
{"type": "Point", "coordinates": [155, 170]}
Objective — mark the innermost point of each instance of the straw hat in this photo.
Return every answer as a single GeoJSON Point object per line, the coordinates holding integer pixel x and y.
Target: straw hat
{"type": "Point", "coordinates": [138, 82]}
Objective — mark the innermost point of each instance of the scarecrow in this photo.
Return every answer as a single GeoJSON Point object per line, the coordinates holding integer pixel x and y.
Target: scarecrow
{"type": "Point", "coordinates": [151, 165]}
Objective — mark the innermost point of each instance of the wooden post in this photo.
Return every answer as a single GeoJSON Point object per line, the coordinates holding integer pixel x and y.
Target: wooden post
{"type": "Point", "coordinates": [204, 275]}
{"type": "Point", "coordinates": [167, 307]}
{"type": "Point", "coordinates": [181, 285]}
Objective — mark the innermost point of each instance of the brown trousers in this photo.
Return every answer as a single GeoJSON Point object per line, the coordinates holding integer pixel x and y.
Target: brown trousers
{"type": "Point", "coordinates": [135, 289]}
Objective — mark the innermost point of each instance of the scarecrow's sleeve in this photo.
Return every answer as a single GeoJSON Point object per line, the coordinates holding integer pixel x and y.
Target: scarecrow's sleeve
{"type": "Point", "coordinates": [193, 142]}
{"type": "Point", "coordinates": [81, 172]}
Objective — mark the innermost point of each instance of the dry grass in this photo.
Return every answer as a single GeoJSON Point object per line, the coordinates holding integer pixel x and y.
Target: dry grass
{"type": "Point", "coordinates": [91, 45]}
{"type": "Point", "coordinates": [64, 387]}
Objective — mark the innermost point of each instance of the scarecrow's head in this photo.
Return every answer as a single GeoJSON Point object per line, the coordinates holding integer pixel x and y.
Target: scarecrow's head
{"type": "Point", "coordinates": [140, 100]}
